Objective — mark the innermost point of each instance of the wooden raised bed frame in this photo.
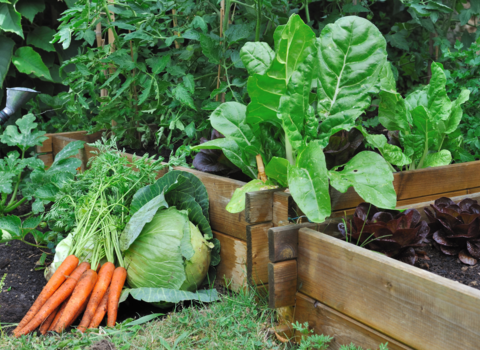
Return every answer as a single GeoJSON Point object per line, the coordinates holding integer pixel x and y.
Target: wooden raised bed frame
{"type": "Point", "coordinates": [359, 296]}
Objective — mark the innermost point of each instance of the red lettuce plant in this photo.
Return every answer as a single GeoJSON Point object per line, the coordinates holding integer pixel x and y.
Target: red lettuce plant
{"type": "Point", "coordinates": [456, 228]}
{"type": "Point", "coordinates": [391, 232]}
{"type": "Point", "coordinates": [213, 160]}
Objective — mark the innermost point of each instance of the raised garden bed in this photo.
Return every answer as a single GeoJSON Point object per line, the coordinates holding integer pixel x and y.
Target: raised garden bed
{"type": "Point", "coordinates": [243, 236]}
{"type": "Point", "coordinates": [353, 293]}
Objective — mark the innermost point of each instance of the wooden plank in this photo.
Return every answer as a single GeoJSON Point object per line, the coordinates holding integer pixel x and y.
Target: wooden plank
{"type": "Point", "coordinates": [282, 203]}
{"type": "Point", "coordinates": [46, 146]}
{"type": "Point", "coordinates": [411, 305]}
{"type": "Point", "coordinates": [474, 190]}
{"type": "Point", "coordinates": [344, 330]}
{"type": "Point", "coordinates": [283, 241]}
{"type": "Point", "coordinates": [47, 159]}
{"type": "Point", "coordinates": [259, 206]}
{"type": "Point", "coordinates": [257, 253]}
{"type": "Point", "coordinates": [233, 254]}
{"type": "Point", "coordinates": [282, 283]}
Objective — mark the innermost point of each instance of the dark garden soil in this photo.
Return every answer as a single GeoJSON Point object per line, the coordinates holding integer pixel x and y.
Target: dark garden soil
{"type": "Point", "coordinates": [450, 267]}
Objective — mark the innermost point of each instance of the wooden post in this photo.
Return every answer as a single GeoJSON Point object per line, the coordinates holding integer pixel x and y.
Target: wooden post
{"type": "Point", "coordinates": [282, 283]}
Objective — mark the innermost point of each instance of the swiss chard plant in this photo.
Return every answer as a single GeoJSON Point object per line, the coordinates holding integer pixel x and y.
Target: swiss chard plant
{"type": "Point", "coordinates": [423, 120]}
{"type": "Point", "coordinates": [301, 94]}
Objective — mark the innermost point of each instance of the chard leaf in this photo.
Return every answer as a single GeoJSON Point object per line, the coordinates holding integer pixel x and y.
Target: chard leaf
{"type": "Point", "coordinates": [424, 124]}
{"type": "Point", "coordinates": [308, 182]}
{"type": "Point", "coordinates": [439, 104]}
{"type": "Point", "coordinates": [387, 80]}
{"type": "Point", "coordinates": [237, 202]}
{"type": "Point", "coordinates": [138, 220]}
{"type": "Point", "coordinates": [444, 157]}
{"type": "Point", "coordinates": [352, 52]}
{"type": "Point", "coordinates": [392, 154]}
{"type": "Point", "coordinates": [296, 50]}
{"type": "Point", "coordinates": [230, 120]}
{"type": "Point", "coordinates": [265, 92]}
{"type": "Point", "coordinates": [157, 295]}
{"type": "Point", "coordinates": [344, 120]}
{"type": "Point", "coordinates": [293, 43]}
{"type": "Point", "coordinates": [246, 162]}
{"type": "Point", "coordinates": [370, 176]}
{"type": "Point", "coordinates": [414, 145]}
{"type": "Point", "coordinates": [393, 113]}
{"type": "Point", "coordinates": [451, 123]}
{"type": "Point", "coordinates": [277, 169]}
{"type": "Point", "coordinates": [257, 57]}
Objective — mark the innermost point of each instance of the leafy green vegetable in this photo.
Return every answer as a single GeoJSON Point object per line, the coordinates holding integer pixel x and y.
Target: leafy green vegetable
{"type": "Point", "coordinates": [423, 119]}
{"type": "Point", "coordinates": [281, 122]}
{"type": "Point", "coordinates": [165, 252]}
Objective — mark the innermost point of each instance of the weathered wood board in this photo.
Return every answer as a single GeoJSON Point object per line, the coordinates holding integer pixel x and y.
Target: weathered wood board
{"type": "Point", "coordinates": [411, 305]}
{"type": "Point", "coordinates": [344, 330]}
{"type": "Point", "coordinates": [282, 283]}
{"type": "Point", "coordinates": [257, 253]}
{"type": "Point", "coordinates": [233, 266]}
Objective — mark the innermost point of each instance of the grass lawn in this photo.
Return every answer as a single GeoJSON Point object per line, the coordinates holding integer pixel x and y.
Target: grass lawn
{"type": "Point", "coordinates": [237, 321]}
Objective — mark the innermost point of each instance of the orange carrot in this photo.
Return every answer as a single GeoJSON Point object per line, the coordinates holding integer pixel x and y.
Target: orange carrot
{"type": "Point", "coordinates": [82, 309]}
{"type": "Point", "coordinates": [59, 314]}
{"type": "Point", "coordinates": [101, 311]}
{"type": "Point", "coordinates": [80, 294]}
{"type": "Point", "coordinates": [104, 279]}
{"type": "Point", "coordinates": [118, 280]}
{"type": "Point", "coordinates": [55, 300]}
{"type": "Point", "coordinates": [48, 322]}
{"type": "Point", "coordinates": [65, 269]}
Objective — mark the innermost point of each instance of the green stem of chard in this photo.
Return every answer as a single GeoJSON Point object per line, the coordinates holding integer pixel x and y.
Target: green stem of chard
{"type": "Point", "coordinates": [425, 152]}
{"type": "Point", "coordinates": [289, 151]}
{"type": "Point", "coordinates": [441, 143]}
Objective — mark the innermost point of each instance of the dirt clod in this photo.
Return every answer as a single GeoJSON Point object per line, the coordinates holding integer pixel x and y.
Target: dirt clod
{"type": "Point", "coordinates": [103, 345]}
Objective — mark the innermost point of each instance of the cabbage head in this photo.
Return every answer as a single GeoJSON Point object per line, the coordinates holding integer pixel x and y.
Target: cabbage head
{"type": "Point", "coordinates": [170, 253]}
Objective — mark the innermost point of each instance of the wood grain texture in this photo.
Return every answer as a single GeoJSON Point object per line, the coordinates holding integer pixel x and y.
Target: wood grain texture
{"type": "Point", "coordinates": [257, 253]}
{"type": "Point", "coordinates": [411, 305]}
{"type": "Point", "coordinates": [232, 270]}
{"type": "Point", "coordinates": [47, 159]}
{"type": "Point", "coordinates": [283, 241]}
{"type": "Point", "coordinates": [259, 206]}
{"type": "Point", "coordinates": [282, 205]}
{"type": "Point", "coordinates": [282, 283]}
{"type": "Point", "coordinates": [344, 330]}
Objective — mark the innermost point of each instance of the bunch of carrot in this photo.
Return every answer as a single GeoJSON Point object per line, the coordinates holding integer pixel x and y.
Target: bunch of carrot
{"type": "Point", "coordinates": [73, 289]}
